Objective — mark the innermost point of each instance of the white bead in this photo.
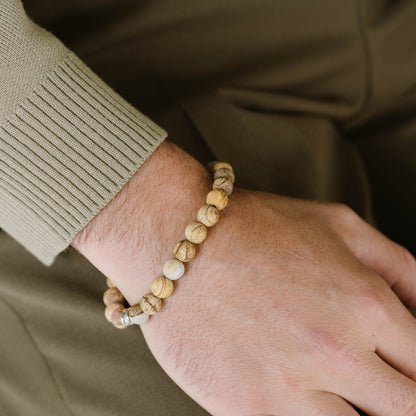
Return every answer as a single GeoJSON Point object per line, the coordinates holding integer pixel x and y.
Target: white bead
{"type": "Point", "coordinates": [139, 319]}
{"type": "Point", "coordinates": [173, 269]}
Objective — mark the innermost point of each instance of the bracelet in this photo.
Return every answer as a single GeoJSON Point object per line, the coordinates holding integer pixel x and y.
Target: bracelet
{"type": "Point", "coordinates": [184, 251]}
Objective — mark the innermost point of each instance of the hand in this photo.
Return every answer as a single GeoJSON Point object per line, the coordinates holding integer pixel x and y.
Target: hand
{"type": "Point", "coordinates": [286, 309]}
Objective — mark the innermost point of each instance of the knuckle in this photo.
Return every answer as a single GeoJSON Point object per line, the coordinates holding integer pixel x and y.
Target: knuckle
{"type": "Point", "coordinates": [341, 216]}
{"type": "Point", "coordinates": [333, 350]}
{"type": "Point", "coordinates": [405, 257]}
{"type": "Point", "coordinates": [374, 303]}
{"type": "Point", "coordinates": [372, 298]}
{"type": "Point", "coordinates": [344, 212]}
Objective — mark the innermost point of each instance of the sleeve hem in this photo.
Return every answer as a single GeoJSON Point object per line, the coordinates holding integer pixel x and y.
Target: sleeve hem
{"type": "Point", "coordinates": [66, 152]}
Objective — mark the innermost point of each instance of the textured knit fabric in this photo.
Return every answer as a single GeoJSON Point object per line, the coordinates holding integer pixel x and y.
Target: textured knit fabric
{"type": "Point", "coordinates": [68, 142]}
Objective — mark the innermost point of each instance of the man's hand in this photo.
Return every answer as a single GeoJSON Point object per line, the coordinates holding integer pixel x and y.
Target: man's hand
{"type": "Point", "coordinates": [287, 309]}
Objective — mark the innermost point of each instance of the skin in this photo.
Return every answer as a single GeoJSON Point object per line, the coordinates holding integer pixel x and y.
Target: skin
{"type": "Point", "coordinates": [290, 307]}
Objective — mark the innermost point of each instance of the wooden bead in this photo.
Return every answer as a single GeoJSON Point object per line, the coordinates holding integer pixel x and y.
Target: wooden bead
{"type": "Point", "coordinates": [196, 232]}
{"type": "Point", "coordinates": [218, 198]}
{"type": "Point", "coordinates": [162, 287]}
{"type": "Point", "coordinates": [184, 250]}
{"type": "Point", "coordinates": [111, 308]}
{"type": "Point", "coordinates": [219, 165]}
{"type": "Point", "coordinates": [225, 173]}
{"type": "Point", "coordinates": [173, 269]}
{"type": "Point", "coordinates": [112, 295]}
{"type": "Point", "coordinates": [150, 304]}
{"type": "Point", "coordinates": [224, 184]}
{"type": "Point", "coordinates": [208, 215]}
{"type": "Point", "coordinates": [110, 283]}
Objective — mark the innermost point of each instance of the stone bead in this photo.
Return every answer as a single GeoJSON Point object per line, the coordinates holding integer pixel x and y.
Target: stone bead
{"type": "Point", "coordinates": [110, 309]}
{"type": "Point", "coordinates": [184, 250]}
{"type": "Point", "coordinates": [224, 184]}
{"type": "Point", "coordinates": [112, 295]}
{"type": "Point", "coordinates": [173, 269]}
{"type": "Point", "coordinates": [225, 173]}
{"type": "Point", "coordinates": [134, 310]}
{"type": "Point", "coordinates": [218, 198]}
{"type": "Point", "coordinates": [208, 215]}
{"type": "Point", "coordinates": [110, 283]}
{"type": "Point", "coordinates": [150, 304]}
{"type": "Point", "coordinates": [219, 165]}
{"type": "Point", "coordinates": [162, 287]}
{"type": "Point", "coordinates": [196, 232]}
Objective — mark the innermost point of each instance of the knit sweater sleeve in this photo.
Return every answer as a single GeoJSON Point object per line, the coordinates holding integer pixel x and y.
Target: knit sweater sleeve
{"type": "Point", "coordinates": [68, 142]}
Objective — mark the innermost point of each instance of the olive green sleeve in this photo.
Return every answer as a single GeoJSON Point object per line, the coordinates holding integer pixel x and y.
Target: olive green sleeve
{"type": "Point", "coordinates": [68, 142]}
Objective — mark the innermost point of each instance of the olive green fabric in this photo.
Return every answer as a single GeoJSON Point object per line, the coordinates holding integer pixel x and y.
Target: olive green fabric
{"type": "Point", "coordinates": [309, 99]}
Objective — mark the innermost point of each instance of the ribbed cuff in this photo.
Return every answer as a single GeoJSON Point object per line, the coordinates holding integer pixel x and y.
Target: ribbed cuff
{"type": "Point", "coordinates": [65, 153]}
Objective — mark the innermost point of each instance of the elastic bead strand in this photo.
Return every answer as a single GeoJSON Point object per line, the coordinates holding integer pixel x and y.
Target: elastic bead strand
{"type": "Point", "coordinates": [184, 251]}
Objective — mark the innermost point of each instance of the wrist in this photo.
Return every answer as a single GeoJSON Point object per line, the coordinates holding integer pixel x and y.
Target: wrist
{"type": "Point", "coordinates": [132, 237]}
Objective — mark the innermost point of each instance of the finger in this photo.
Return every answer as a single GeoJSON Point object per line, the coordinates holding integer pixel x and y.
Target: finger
{"type": "Point", "coordinates": [377, 389]}
{"type": "Point", "coordinates": [396, 339]}
{"type": "Point", "coordinates": [320, 403]}
{"type": "Point", "coordinates": [390, 260]}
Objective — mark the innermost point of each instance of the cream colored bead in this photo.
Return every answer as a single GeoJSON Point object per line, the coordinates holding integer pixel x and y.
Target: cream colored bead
{"type": "Point", "coordinates": [196, 232]}
{"type": "Point", "coordinates": [140, 319]}
{"type": "Point", "coordinates": [225, 173]}
{"type": "Point", "coordinates": [173, 269]}
{"type": "Point", "coordinates": [151, 304]}
{"type": "Point", "coordinates": [110, 283]}
{"type": "Point", "coordinates": [218, 198]}
{"type": "Point", "coordinates": [224, 184]}
{"type": "Point", "coordinates": [112, 308]}
{"type": "Point", "coordinates": [184, 250]}
{"type": "Point", "coordinates": [219, 165]}
{"type": "Point", "coordinates": [208, 215]}
{"type": "Point", "coordinates": [162, 287]}
{"type": "Point", "coordinates": [112, 295]}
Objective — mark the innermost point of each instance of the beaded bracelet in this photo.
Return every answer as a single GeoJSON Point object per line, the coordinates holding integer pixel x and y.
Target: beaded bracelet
{"type": "Point", "coordinates": [184, 251]}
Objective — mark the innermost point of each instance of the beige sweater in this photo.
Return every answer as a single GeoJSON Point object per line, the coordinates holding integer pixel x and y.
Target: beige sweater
{"type": "Point", "coordinates": [68, 143]}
